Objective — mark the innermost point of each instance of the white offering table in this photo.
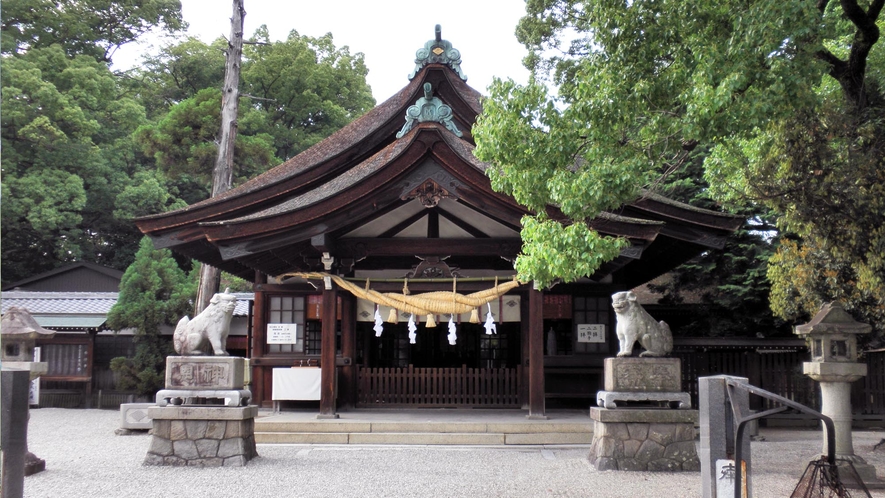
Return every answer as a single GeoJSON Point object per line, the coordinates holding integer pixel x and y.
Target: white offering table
{"type": "Point", "coordinates": [296, 383]}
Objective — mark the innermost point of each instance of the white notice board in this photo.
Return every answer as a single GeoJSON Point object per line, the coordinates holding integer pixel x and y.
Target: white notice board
{"type": "Point", "coordinates": [282, 333]}
{"type": "Point", "coordinates": [591, 332]}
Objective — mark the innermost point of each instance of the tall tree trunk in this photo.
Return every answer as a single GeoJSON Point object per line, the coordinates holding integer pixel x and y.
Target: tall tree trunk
{"type": "Point", "coordinates": [222, 177]}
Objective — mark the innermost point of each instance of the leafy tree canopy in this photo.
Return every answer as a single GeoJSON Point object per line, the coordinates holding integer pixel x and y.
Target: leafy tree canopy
{"type": "Point", "coordinates": [785, 95]}
{"type": "Point", "coordinates": [96, 28]}
{"type": "Point", "coordinates": [295, 93]}
{"type": "Point", "coordinates": [67, 156]}
{"type": "Point", "coordinates": [305, 87]}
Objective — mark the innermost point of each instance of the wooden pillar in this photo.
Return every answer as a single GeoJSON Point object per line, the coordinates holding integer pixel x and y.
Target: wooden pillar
{"type": "Point", "coordinates": [348, 384]}
{"type": "Point", "coordinates": [259, 329]}
{"type": "Point", "coordinates": [328, 372]}
{"type": "Point", "coordinates": [536, 355]}
{"type": "Point", "coordinates": [524, 352]}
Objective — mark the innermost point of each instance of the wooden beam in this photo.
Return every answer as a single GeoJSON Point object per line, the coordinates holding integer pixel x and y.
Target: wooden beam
{"type": "Point", "coordinates": [328, 374]}
{"type": "Point", "coordinates": [399, 227]}
{"type": "Point", "coordinates": [411, 246]}
{"type": "Point", "coordinates": [433, 224]}
{"type": "Point", "coordinates": [463, 225]}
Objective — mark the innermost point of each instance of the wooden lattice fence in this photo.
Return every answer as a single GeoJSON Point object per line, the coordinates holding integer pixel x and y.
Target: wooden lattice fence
{"type": "Point", "coordinates": [439, 387]}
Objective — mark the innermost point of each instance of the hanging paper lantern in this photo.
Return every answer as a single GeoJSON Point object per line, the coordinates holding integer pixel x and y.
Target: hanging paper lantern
{"type": "Point", "coordinates": [453, 335]}
{"type": "Point", "coordinates": [412, 329]}
{"type": "Point", "coordinates": [379, 327]}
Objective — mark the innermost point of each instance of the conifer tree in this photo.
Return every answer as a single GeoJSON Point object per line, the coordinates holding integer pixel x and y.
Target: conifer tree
{"type": "Point", "coordinates": [154, 291]}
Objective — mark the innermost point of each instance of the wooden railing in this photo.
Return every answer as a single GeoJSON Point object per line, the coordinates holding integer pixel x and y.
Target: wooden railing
{"type": "Point", "coordinates": [439, 387]}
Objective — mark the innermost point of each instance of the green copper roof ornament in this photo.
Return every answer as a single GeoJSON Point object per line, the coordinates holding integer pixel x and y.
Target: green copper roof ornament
{"type": "Point", "coordinates": [438, 51]}
{"type": "Point", "coordinates": [429, 108]}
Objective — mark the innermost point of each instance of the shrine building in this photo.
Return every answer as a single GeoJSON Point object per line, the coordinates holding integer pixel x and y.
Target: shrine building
{"type": "Point", "coordinates": [393, 206]}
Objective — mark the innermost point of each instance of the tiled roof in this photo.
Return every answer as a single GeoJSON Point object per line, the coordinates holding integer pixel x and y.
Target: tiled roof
{"type": "Point", "coordinates": [43, 303]}
{"type": "Point", "coordinates": [84, 303]}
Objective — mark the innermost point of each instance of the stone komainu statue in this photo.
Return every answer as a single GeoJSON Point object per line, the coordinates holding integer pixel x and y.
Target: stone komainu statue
{"type": "Point", "coordinates": [207, 332]}
{"type": "Point", "coordinates": [635, 324]}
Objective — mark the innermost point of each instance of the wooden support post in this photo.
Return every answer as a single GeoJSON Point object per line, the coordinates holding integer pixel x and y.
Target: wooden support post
{"type": "Point", "coordinates": [259, 329]}
{"type": "Point", "coordinates": [536, 355]}
{"type": "Point", "coordinates": [348, 350]}
{"type": "Point", "coordinates": [524, 352]}
{"type": "Point", "coordinates": [328, 372]}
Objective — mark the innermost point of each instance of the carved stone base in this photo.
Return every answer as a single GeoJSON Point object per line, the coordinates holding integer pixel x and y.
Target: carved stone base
{"type": "Point", "coordinates": [227, 398]}
{"type": "Point", "coordinates": [644, 440]}
{"type": "Point", "coordinates": [205, 372]}
{"type": "Point", "coordinates": [643, 374]}
{"type": "Point", "coordinates": [202, 436]}
{"type": "Point", "coordinates": [610, 399]}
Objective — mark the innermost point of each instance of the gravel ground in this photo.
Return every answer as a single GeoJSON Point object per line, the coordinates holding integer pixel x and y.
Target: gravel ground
{"type": "Point", "coordinates": [85, 459]}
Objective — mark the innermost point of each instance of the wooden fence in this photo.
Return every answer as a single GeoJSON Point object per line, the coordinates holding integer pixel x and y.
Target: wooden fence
{"type": "Point", "coordinates": [439, 387]}
{"type": "Point", "coordinates": [779, 372]}
{"type": "Point", "coordinates": [869, 394]}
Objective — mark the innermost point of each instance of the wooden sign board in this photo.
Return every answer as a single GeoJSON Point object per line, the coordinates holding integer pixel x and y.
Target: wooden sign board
{"type": "Point", "coordinates": [591, 332]}
{"type": "Point", "coordinates": [282, 333]}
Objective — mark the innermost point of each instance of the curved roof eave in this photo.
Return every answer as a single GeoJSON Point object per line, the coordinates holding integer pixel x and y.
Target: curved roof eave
{"type": "Point", "coordinates": [381, 121]}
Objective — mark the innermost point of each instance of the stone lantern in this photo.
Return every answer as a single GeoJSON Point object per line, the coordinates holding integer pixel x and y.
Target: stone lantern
{"type": "Point", "coordinates": [18, 337]}
{"type": "Point", "coordinates": [832, 339]}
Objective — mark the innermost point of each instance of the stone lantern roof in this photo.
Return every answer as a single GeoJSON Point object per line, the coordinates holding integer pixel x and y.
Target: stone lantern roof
{"type": "Point", "coordinates": [832, 319]}
{"type": "Point", "coordinates": [18, 324]}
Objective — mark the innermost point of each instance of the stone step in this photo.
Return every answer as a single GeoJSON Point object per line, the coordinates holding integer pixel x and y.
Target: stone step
{"type": "Point", "coordinates": [278, 430]}
{"type": "Point", "coordinates": [426, 438]}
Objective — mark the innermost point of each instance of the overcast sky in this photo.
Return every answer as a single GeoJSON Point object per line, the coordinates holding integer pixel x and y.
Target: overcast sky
{"type": "Point", "coordinates": [388, 32]}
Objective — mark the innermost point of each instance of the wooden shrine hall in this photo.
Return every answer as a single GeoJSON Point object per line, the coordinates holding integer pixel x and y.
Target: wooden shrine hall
{"type": "Point", "coordinates": [396, 203]}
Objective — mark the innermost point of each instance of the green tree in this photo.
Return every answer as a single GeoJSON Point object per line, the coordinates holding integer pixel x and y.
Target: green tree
{"type": "Point", "coordinates": [68, 155]}
{"type": "Point", "coordinates": [183, 141]}
{"type": "Point", "coordinates": [178, 72]}
{"type": "Point", "coordinates": [305, 88]}
{"type": "Point", "coordinates": [785, 95]}
{"type": "Point", "coordinates": [731, 283]}
{"type": "Point", "coordinates": [96, 28]}
{"type": "Point", "coordinates": [296, 92]}
{"type": "Point", "coordinates": [153, 292]}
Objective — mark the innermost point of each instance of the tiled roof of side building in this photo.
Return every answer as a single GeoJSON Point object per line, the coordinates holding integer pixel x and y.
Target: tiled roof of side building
{"type": "Point", "coordinates": [84, 303]}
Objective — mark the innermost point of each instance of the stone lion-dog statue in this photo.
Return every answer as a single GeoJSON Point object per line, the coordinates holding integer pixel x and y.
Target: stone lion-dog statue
{"type": "Point", "coordinates": [207, 332]}
{"type": "Point", "coordinates": [635, 324]}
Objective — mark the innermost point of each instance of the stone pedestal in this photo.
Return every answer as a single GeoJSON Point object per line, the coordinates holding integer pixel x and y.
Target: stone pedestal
{"type": "Point", "coordinates": [835, 392]}
{"type": "Point", "coordinates": [204, 372]}
{"type": "Point", "coordinates": [635, 425]}
{"type": "Point", "coordinates": [202, 436]}
{"type": "Point", "coordinates": [644, 440]}
{"type": "Point", "coordinates": [643, 382]}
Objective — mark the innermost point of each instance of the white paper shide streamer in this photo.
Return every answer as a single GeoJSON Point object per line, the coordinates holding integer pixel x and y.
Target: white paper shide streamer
{"type": "Point", "coordinates": [412, 329]}
{"type": "Point", "coordinates": [379, 327]}
{"type": "Point", "coordinates": [490, 326]}
{"type": "Point", "coordinates": [453, 335]}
